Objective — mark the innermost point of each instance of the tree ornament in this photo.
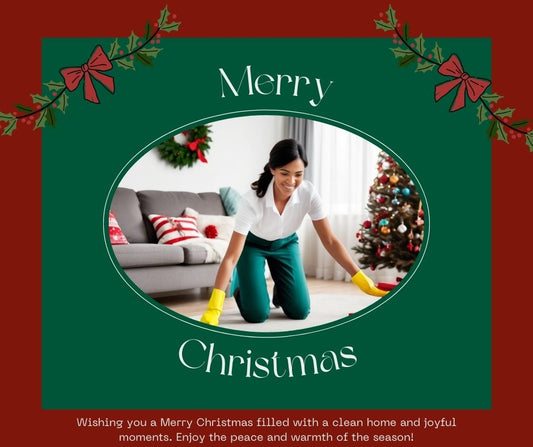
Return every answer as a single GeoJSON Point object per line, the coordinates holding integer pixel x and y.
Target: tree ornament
{"type": "Point", "coordinates": [395, 201]}
{"type": "Point", "coordinates": [406, 191]}
{"type": "Point", "coordinates": [385, 230]}
{"type": "Point", "coordinates": [383, 222]}
{"type": "Point", "coordinates": [367, 224]}
{"type": "Point", "coordinates": [396, 190]}
{"type": "Point", "coordinates": [190, 151]}
{"type": "Point", "coordinates": [394, 179]}
{"type": "Point", "coordinates": [402, 228]}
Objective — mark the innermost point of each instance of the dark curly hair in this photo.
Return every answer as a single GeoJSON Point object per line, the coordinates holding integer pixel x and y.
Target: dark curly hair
{"type": "Point", "coordinates": [282, 153]}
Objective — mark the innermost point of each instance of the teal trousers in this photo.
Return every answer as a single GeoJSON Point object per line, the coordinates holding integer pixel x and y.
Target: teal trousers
{"type": "Point", "coordinates": [290, 287]}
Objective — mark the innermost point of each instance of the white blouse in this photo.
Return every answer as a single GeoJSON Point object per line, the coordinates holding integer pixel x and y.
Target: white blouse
{"type": "Point", "coordinates": [260, 215]}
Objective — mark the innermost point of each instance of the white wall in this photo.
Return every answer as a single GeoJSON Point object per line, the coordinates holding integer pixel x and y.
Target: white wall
{"type": "Point", "coordinates": [237, 155]}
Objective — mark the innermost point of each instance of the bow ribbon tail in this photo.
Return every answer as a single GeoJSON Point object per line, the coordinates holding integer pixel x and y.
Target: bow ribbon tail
{"type": "Point", "coordinates": [89, 92]}
{"type": "Point", "coordinates": [201, 156]}
{"type": "Point", "coordinates": [475, 87]}
{"type": "Point", "coordinates": [446, 87]}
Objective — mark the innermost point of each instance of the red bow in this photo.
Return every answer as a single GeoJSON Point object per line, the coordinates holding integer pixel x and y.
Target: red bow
{"type": "Point", "coordinates": [474, 86]}
{"type": "Point", "coordinates": [193, 146]}
{"type": "Point", "coordinates": [98, 62]}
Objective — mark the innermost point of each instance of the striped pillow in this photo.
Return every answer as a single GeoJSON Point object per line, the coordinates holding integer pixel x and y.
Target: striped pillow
{"type": "Point", "coordinates": [173, 230]}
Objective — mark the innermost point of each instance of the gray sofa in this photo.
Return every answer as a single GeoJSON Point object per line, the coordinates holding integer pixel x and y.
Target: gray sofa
{"type": "Point", "coordinates": [157, 269]}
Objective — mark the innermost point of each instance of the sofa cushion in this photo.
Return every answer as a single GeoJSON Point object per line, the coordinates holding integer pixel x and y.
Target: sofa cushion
{"type": "Point", "coordinates": [126, 208]}
{"type": "Point", "coordinates": [194, 254]}
{"type": "Point", "coordinates": [148, 255]}
{"type": "Point", "coordinates": [223, 224]}
{"type": "Point", "coordinates": [173, 203]}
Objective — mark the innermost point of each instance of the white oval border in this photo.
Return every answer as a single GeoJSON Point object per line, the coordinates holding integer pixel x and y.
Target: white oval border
{"type": "Point", "coordinates": [247, 334]}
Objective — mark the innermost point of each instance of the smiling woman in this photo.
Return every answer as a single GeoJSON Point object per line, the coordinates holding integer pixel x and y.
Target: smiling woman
{"type": "Point", "coordinates": [265, 232]}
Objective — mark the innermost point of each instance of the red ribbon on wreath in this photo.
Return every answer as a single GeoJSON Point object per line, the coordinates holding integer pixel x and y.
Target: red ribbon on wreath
{"type": "Point", "coordinates": [97, 62]}
{"type": "Point", "coordinates": [474, 87]}
{"type": "Point", "coordinates": [193, 146]}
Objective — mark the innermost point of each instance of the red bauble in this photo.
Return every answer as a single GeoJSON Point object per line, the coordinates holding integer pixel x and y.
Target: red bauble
{"type": "Point", "coordinates": [367, 224]}
{"type": "Point", "coordinates": [211, 232]}
{"type": "Point", "coordinates": [384, 179]}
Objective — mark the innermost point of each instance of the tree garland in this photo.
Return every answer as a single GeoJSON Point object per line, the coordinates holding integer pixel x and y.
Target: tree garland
{"type": "Point", "coordinates": [142, 50]}
{"type": "Point", "coordinates": [413, 52]}
{"type": "Point", "coordinates": [193, 149]}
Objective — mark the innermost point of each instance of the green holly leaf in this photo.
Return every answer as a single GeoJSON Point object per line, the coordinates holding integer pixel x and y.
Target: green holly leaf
{"type": "Point", "coordinates": [163, 17]}
{"type": "Point", "coordinates": [406, 31]}
{"type": "Point", "coordinates": [419, 44]}
{"type": "Point", "coordinates": [504, 113]}
{"type": "Point", "coordinates": [169, 27]}
{"type": "Point", "coordinates": [145, 60]}
{"type": "Point", "coordinates": [500, 132]}
{"type": "Point", "coordinates": [41, 120]}
{"type": "Point", "coordinates": [62, 102]}
{"type": "Point", "coordinates": [50, 117]}
{"type": "Point", "coordinates": [391, 15]}
{"type": "Point", "coordinates": [54, 86]}
{"type": "Point", "coordinates": [126, 64]}
{"type": "Point", "coordinates": [400, 51]}
{"type": "Point", "coordinates": [437, 53]}
{"type": "Point", "coordinates": [11, 126]}
{"type": "Point", "coordinates": [385, 26]}
{"type": "Point", "coordinates": [114, 49]}
{"type": "Point", "coordinates": [23, 108]}
{"type": "Point", "coordinates": [39, 99]}
{"type": "Point", "coordinates": [491, 131]}
{"type": "Point", "coordinates": [529, 141]}
{"type": "Point", "coordinates": [491, 97]}
{"type": "Point", "coordinates": [424, 67]}
{"type": "Point", "coordinates": [519, 124]}
{"type": "Point", "coordinates": [6, 116]}
{"type": "Point", "coordinates": [132, 42]}
{"type": "Point", "coordinates": [151, 51]}
{"type": "Point", "coordinates": [407, 60]}
{"type": "Point", "coordinates": [147, 31]}
{"type": "Point", "coordinates": [482, 114]}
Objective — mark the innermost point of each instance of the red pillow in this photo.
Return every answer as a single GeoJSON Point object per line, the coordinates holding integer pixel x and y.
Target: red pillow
{"type": "Point", "coordinates": [173, 230]}
{"type": "Point", "coordinates": [115, 233]}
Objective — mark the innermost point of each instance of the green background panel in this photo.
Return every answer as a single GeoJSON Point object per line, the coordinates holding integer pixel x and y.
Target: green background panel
{"type": "Point", "coordinates": [105, 345]}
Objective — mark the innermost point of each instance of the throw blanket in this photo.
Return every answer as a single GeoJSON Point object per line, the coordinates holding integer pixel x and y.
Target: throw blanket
{"type": "Point", "coordinates": [216, 248]}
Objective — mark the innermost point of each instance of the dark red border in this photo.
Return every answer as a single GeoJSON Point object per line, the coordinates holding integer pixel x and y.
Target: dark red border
{"type": "Point", "coordinates": [24, 25]}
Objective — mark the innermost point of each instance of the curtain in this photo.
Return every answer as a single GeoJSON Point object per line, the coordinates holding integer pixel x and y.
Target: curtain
{"type": "Point", "coordinates": [302, 131]}
{"type": "Point", "coordinates": [343, 168]}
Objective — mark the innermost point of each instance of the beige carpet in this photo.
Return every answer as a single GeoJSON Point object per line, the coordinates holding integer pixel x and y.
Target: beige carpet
{"type": "Point", "coordinates": [325, 308]}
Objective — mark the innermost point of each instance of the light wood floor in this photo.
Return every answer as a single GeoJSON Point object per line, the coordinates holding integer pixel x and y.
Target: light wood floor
{"type": "Point", "coordinates": [193, 302]}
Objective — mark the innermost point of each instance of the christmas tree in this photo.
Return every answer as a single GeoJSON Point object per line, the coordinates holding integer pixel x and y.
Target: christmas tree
{"type": "Point", "coordinates": [392, 235]}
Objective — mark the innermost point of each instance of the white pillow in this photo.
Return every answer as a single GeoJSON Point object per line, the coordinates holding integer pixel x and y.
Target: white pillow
{"type": "Point", "coordinates": [223, 224]}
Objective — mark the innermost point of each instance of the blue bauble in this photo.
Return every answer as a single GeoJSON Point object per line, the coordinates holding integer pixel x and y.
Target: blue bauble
{"type": "Point", "coordinates": [406, 191]}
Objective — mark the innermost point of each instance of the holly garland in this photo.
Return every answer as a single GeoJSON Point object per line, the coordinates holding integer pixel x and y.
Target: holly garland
{"type": "Point", "coordinates": [189, 152]}
{"type": "Point", "coordinates": [142, 50]}
{"type": "Point", "coordinates": [412, 51]}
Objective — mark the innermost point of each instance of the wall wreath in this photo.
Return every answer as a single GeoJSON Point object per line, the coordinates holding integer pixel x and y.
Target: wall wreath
{"type": "Point", "coordinates": [186, 148]}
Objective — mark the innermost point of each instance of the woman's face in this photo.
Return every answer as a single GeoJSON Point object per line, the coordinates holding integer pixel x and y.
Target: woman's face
{"type": "Point", "coordinates": [287, 178]}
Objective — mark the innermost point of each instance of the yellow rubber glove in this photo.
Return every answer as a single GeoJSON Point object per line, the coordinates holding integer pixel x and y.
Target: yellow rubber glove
{"type": "Point", "coordinates": [367, 285]}
{"type": "Point", "coordinates": [214, 308]}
